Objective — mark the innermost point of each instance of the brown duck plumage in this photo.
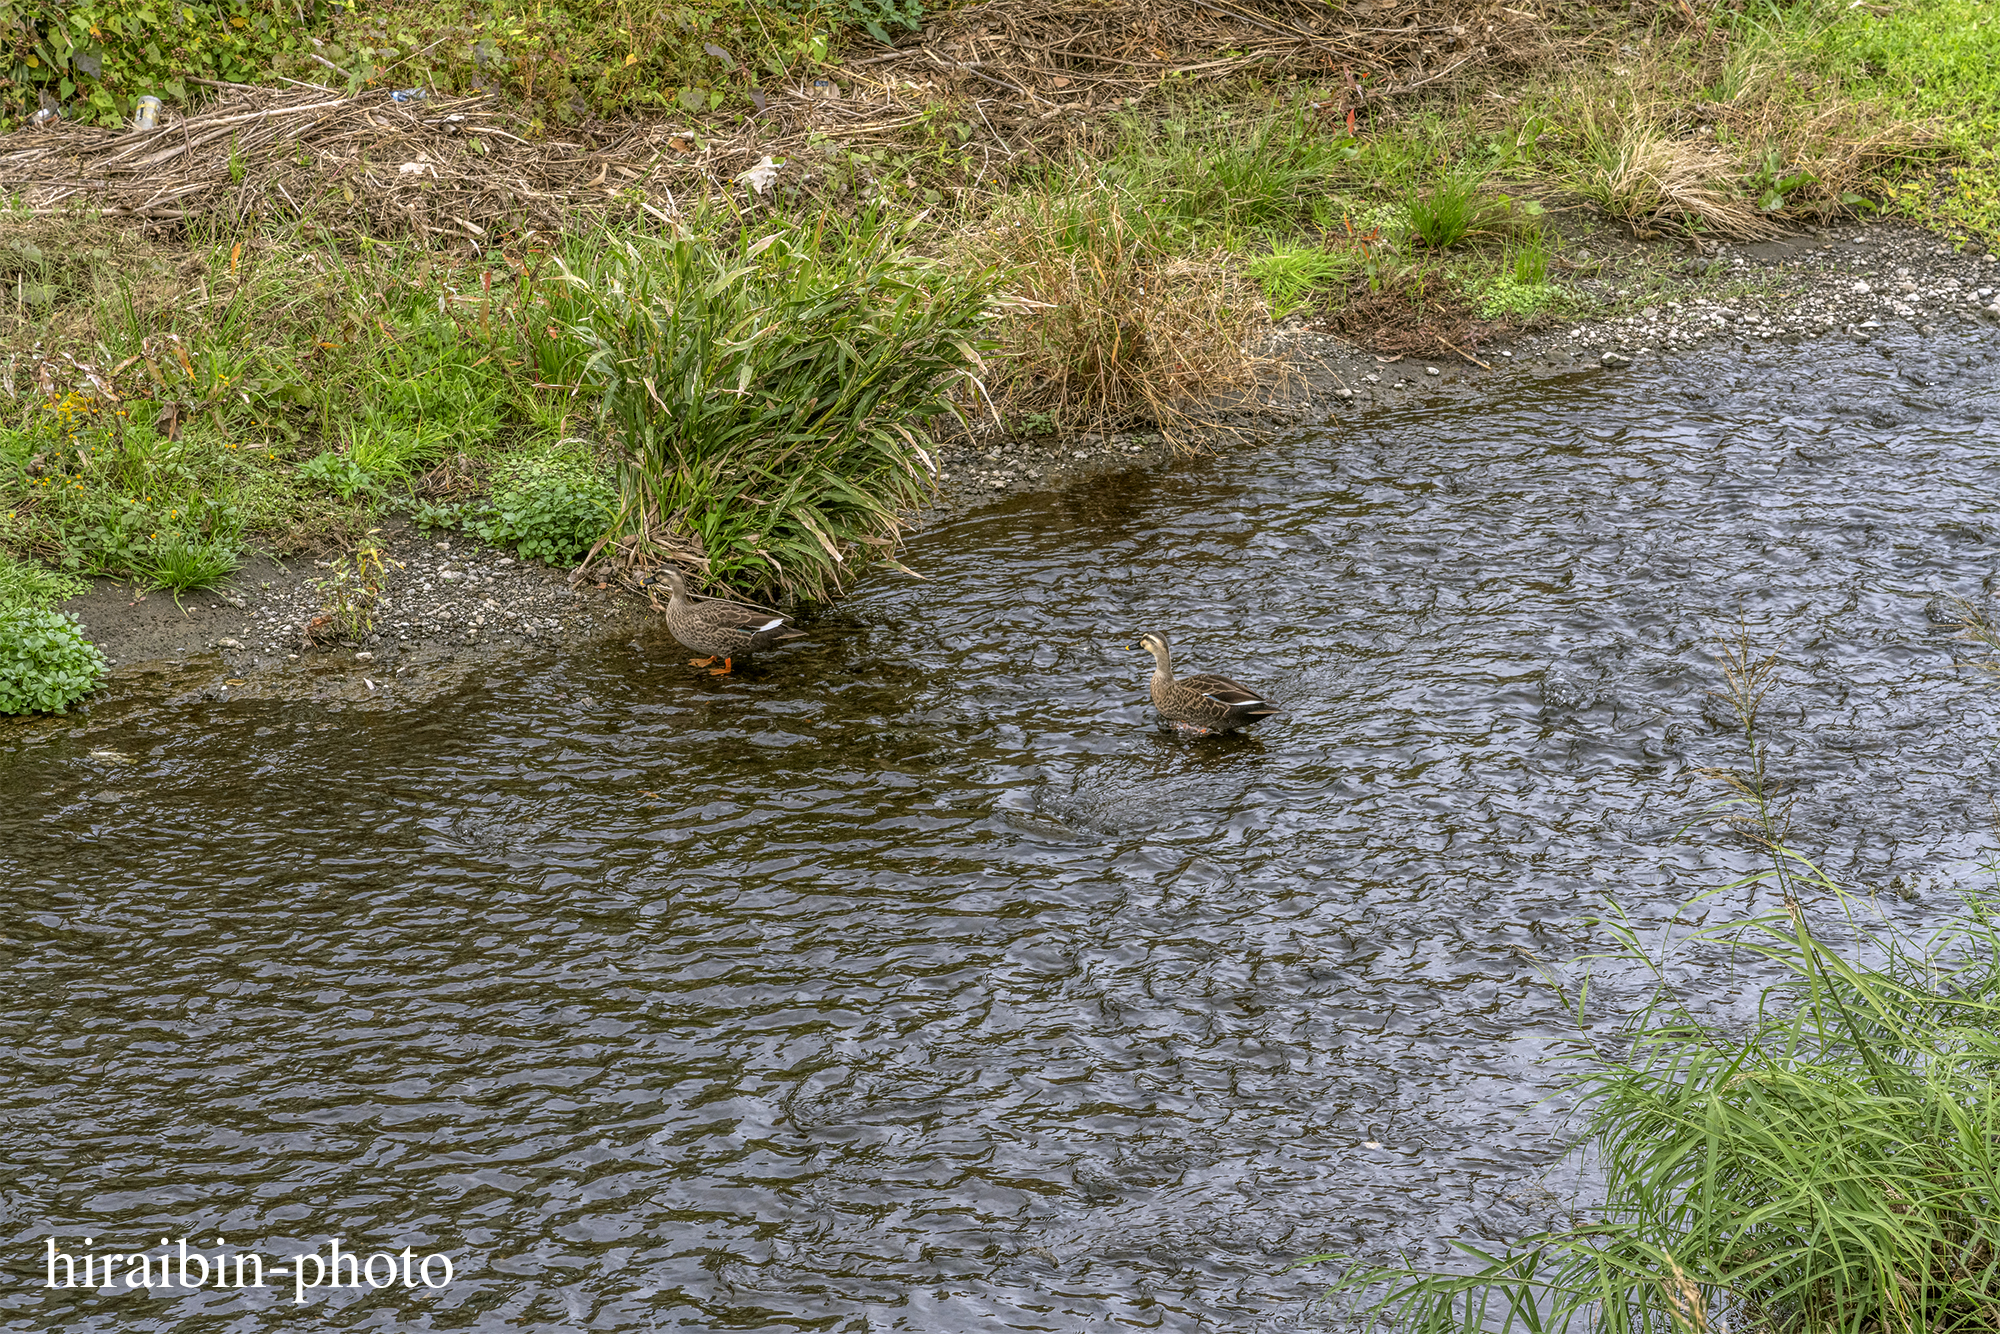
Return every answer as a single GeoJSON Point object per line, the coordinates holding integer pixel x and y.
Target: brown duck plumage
{"type": "Point", "coordinates": [725, 630]}
{"type": "Point", "coordinates": [1202, 703]}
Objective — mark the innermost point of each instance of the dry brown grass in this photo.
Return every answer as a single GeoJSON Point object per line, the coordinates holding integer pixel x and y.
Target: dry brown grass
{"type": "Point", "coordinates": [1688, 137]}
{"type": "Point", "coordinates": [59, 272]}
{"type": "Point", "coordinates": [1109, 326]}
{"type": "Point", "coordinates": [1845, 147]}
{"type": "Point", "coordinates": [1654, 183]}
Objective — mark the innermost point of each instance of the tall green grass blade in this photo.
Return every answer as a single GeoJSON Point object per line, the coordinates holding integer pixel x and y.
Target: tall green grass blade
{"type": "Point", "coordinates": [768, 397]}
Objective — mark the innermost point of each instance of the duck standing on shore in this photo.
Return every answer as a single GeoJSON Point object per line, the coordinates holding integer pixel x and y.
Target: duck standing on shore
{"type": "Point", "coordinates": [725, 630]}
{"type": "Point", "coordinates": [1202, 704]}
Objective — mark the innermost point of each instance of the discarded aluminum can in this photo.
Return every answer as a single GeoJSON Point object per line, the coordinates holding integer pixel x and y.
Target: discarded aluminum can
{"type": "Point", "coordinates": [46, 117]}
{"type": "Point", "coordinates": [408, 95]}
{"type": "Point", "coordinates": [147, 117]}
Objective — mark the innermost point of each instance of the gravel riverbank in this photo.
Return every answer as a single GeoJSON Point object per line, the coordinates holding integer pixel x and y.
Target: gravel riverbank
{"type": "Point", "coordinates": [449, 600]}
{"type": "Point", "coordinates": [1854, 283]}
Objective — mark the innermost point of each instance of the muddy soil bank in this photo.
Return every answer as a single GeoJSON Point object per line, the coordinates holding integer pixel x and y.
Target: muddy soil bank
{"type": "Point", "coordinates": [451, 603]}
{"type": "Point", "coordinates": [445, 600]}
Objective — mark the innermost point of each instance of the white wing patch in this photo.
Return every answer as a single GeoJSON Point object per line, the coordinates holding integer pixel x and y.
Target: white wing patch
{"type": "Point", "coordinates": [771, 624]}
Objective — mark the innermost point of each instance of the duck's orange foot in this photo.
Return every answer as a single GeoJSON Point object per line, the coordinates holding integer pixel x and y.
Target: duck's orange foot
{"type": "Point", "coordinates": [723, 670]}
{"type": "Point", "coordinates": [1191, 729]}
{"type": "Point", "coordinates": [701, 662]}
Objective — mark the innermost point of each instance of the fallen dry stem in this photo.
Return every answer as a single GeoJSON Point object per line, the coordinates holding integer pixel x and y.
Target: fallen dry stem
{"type": "Point", "coordinates": [1036, 72]}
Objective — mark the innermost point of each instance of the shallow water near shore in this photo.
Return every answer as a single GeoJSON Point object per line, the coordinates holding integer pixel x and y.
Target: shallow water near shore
{"type": "Point", "coordinates": [911, 980]}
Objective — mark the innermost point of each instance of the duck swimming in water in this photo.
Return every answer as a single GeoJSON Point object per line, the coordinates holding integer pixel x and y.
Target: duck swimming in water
{"type": "Point", "coordinates": [1202, 704]}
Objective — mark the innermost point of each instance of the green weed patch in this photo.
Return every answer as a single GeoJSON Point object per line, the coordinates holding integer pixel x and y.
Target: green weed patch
{"type": "Point", "coordinates": [46, 662]}
{"type": "Point", "coordinates": [1938, 60]}
{"type": "Point", "coordinates": [95, 60]}
{"type": "Point", "coordinates": [548, 509]}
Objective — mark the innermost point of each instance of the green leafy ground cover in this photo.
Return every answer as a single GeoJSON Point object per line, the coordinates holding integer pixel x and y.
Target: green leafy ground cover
{"type": "Point", "coordinates": [47, 663]}
{"type": "Point", "coordinates": [1937, 60]}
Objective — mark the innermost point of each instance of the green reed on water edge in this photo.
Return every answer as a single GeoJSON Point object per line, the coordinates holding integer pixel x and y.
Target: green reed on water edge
{"type": "Point", "coordinates": [768, 395]}
{"type": "Point", "coordinates": [1834, 1165]}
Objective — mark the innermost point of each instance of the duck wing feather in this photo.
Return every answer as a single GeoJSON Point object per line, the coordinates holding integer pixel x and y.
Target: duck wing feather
{"type": "Point", "coordinates": [729, 627]}
{"type": "Point", "coordinates": [1231, 695]}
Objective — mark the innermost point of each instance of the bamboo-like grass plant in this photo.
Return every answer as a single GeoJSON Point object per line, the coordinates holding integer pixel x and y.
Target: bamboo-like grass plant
{"type": "Point", "coordinates": [771, 396]}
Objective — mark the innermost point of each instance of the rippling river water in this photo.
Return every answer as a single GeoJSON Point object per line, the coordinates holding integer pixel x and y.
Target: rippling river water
{"type": "Point", "coordinates": [912, 980]}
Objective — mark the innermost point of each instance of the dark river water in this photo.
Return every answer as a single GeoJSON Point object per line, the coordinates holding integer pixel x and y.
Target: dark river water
{"type": "Point", "coordinates": [914, 980]}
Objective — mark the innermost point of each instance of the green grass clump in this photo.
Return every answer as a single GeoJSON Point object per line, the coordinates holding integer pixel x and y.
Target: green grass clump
{"type": "Point", "coordinates": [46, 662]}
{"type": "Point", "coordinates": [1446, 212]}
{"type": "Point", "coordinates": [183, 562]}
{"type": "Point", "coordinates": [767, 396]}
{"type": "Point", "coordinates": [1528, 262]}
{"type": "Point", "coordinates": [1835, 1167]}
{"type": "Point", "coordinates": [1292, 274]}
